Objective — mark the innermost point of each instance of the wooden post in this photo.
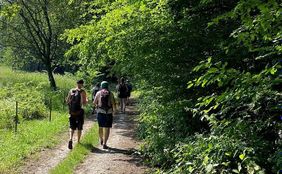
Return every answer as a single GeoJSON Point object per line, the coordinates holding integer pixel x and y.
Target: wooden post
{"type": "Point", "coordinates": [64, 100]}
{"type": "Point", "coordinates": [50, 107]}
{"type": "Point", "coordinates": [16, 118]}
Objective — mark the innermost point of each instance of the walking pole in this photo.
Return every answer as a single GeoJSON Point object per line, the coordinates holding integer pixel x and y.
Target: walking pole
{"type": "Point", "coordinates": [16, 118]}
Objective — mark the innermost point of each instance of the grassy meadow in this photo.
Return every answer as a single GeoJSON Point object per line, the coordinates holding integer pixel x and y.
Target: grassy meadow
{"type": "Point", "coordinates": [33, 94]}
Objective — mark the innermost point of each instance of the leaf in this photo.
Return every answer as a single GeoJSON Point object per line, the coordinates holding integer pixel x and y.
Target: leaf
{"type": "Point", "coordinates": [206, 160]}
{"type": "Point", "coordinates": [209, 168]}
{"type": "Point", "coordinates": [242, 156]}
{"type": "Point", "coordinates": [212, 70]}
{"type": "Point", "coordinates": [273, 71]}
{"type": "Point", "coordinates": [257, 167]}
{"type": "Point", "coordinates": [190, 85]}
{"type": "Point", "coordinates": [235, 171]}
{"type": "Point", "coordinates": [190, 169]}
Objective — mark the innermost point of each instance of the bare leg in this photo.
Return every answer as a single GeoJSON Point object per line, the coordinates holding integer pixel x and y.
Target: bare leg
{"type": "Point", "coordinates": [123, 103]}
{"type": "Point", "coordinates": [79, 135]}
{"type": "Point", "coordinates": [101, 134]}
{"type": "Point", "coordinates": [71, 134]}
{"type": "Point", "coordinates": [107, 134]}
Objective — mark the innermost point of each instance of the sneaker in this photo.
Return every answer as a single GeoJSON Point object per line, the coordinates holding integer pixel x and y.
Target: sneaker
{"type": "Point", "coordinates": [105, 146]}
{"type": "Point", "coordinates": [70, 144]}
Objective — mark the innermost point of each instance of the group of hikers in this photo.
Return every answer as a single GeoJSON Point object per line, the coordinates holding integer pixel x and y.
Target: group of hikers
{"type": "Point", "coordinates": [104, 105]}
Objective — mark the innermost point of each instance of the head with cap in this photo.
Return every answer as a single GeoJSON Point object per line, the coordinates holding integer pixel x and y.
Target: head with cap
{"type": "Point", "coordinates": [80, 83]}
{"type": "Point", "coordinates": [104, 85]}
{"type": "Point", "coordinates": [122, 80]}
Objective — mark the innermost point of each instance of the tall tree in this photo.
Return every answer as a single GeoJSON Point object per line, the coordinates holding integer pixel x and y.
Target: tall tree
{"type": "Point", "coordinates": [33, 28]}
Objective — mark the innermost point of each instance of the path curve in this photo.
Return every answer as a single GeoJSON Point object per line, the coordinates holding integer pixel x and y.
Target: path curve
{"type": "Point", "coordinates": [120, 158]}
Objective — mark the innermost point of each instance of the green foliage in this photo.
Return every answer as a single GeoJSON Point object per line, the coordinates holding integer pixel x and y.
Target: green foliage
{"type": "Point", "coordinates": [32, 93]}
{"type": "Point", "coordinates": [32, 137]}
{"type": "Point", "coordinates": [214, 154]}
{"type": "Point", "coordinates": [242, 106]}
{"type": "Point", "coordinates": [227, 121]}
{"type": "Point", "coordinates": [30, 34]}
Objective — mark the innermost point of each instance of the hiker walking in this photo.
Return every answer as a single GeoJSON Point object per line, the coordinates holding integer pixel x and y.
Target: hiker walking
{"type": "Point", "coordinates": [122, 94]}
{"type": "Point", "coordinates": [75, 100]}
{"type": "Point", "coordinates": [95, 90]}
{"type": "Point", "coordinates": [129, 89]}
{"type": "Point", "coordinates": [105, 103]}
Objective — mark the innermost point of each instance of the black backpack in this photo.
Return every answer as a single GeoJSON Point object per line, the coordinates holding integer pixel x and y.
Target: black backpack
{"type": "Point", "coordinates": [75, 102]}
{"type": "Point", "coordinates": [122, 90]}
{"type": "Point", "coordinates": [105, 100]}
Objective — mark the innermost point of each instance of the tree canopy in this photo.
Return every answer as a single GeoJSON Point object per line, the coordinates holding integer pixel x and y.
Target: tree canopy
{"type": "Point", "coordinates": [31, 31]}
{"type": "Point", "coordinates": [209, 72]}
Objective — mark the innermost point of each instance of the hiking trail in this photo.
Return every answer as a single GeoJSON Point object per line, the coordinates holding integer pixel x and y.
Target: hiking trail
{"type": "Point", "coordinates": [45, 160]}
{"type": "Point", "coordinates": [120, 157]}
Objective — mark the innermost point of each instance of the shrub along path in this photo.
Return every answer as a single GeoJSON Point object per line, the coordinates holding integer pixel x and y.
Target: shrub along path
{"type": "Point", "coordinates": [120, 158]}
{"type": "Point", "coordinates": [49, 158]}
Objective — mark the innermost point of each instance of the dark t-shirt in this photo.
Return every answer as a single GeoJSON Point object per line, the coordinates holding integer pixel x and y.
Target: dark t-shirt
{"type": "Point", "coordinates": [122, 91]}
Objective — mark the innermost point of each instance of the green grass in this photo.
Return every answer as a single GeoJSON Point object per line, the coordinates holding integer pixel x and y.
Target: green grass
{"type": "Point", "coordinates": [31, 137]}
{"type": "Point", "coordinates": [8, 76]}
{"type": "Point", "coordinates": [33, 92]}
{"type": "Point", "coordinates": [78, 154]}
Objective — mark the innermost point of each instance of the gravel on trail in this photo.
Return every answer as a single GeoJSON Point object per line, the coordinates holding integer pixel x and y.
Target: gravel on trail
{"type": "Point", "coordinates": [42, 162]}
{"type": "Point", "coordinates": [120, 158]}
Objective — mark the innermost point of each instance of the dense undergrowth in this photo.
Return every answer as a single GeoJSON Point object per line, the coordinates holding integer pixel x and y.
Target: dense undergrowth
{"type": "Point", "coordinates": [234, 128]}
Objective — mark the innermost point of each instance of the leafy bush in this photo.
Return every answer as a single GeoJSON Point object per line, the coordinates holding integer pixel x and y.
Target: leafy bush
{"type": "Point", "coordinates": [7, 113]}
{"type": "Point", "coordinates": [236, 116]}
{"type": "Point", "coordinates": [32, 92]}
{"type": "Point", "coordinates": [214, 154]}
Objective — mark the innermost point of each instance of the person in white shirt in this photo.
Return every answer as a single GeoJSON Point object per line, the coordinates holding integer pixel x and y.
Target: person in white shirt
{"type": "Point", "coordinates": [105, 107]}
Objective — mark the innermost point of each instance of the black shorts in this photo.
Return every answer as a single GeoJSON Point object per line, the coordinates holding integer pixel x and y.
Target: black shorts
{"type": "Point", "coordinates": [105, 120]}
{"type": "Point", "coordinates": [122, 95]}
{"type": "Point", "coordinates": [76, 122]}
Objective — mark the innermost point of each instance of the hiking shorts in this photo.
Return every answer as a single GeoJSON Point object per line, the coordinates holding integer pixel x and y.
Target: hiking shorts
{"type": "Point", "coordinates": [105, 120]}
{"type": "Point", "coordinates": [76, 122]}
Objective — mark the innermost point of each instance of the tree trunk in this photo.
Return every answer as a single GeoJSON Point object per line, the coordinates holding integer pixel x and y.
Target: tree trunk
{"type": "Point", "coordinates": [51, 77]}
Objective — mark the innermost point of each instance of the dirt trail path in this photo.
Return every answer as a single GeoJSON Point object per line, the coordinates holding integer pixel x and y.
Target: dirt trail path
{"type": "Point", "coordinates": [49, 158]}
{"type": "Point", "coordinates": [120, 158]}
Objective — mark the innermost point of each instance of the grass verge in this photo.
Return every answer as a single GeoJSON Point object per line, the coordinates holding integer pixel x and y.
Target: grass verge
{"type": "Point", "coordinates": [78, 154]}
{"type": "Point", "coordinates": [31, 137]}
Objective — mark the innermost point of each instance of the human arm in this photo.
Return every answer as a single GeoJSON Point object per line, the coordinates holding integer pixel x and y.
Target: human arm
{"type": "Point", "coordinates": [95, 102]}
{"type": "Point", "coordinates": [68, 98]}
{"type": "Point", "coordinates": [113, 102]}
{"type": "Point", "coordinates": [83, 98]}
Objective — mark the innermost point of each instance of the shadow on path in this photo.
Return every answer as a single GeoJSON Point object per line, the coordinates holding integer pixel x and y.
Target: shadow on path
{"type": "Point", "coordinates": [122, 157]}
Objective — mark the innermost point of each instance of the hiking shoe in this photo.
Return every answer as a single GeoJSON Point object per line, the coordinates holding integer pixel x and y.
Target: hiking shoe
{"type": "Point", "coordinates": [70, 144]}
{"type": "Point", "coordinates": [105, 146]}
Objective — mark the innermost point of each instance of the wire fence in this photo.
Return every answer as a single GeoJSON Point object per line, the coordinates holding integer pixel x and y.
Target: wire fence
{"type": "Point", "coordinates": [49, 101]}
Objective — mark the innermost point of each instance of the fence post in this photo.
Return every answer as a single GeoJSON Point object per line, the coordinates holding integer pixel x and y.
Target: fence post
{"type": "Point", "coordinates": [16, 118]}
{"type": "Point", "coordinates": [64, 100]}
{"type": "Point", "coordinates": [50, 107]}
